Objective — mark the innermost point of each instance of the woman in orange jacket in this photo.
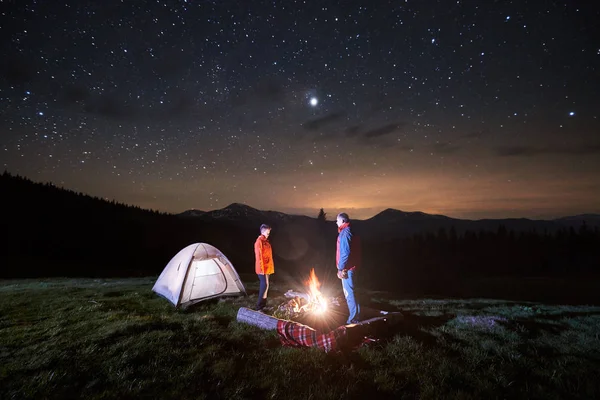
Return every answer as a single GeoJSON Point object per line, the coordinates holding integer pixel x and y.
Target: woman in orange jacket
{"type": "Point", "coordinates": [263, 256]}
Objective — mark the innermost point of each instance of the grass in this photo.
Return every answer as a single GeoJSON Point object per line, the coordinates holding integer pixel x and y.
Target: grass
{"type": "Point", "coordinates": [107, 339]}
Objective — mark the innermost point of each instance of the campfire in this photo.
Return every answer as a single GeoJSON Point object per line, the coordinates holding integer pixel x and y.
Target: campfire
{"type": "Point", "coordinates": [310, 319]}
{"type": "Point", "coordinates": [313, 301]}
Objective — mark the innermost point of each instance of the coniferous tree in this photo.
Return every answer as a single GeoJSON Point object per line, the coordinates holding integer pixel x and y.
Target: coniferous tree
{"type": "Point", "coordinates": [322, 217]}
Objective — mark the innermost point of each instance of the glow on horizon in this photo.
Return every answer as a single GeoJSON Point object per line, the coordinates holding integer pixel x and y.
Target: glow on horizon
{"type": "Point", "coordinates": [495, 194]}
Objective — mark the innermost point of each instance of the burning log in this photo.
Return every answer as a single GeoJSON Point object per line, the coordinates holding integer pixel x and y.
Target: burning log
{"type": "Point", "coordinates": [312, 303]}
{"type": "Point", "coordinates": [301, 303]}
{"type": "Point", "coordinates": [290, 294]}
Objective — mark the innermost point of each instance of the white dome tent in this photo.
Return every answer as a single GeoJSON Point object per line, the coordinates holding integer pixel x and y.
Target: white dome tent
{"type": "Point", "coordinates": [198, 272]}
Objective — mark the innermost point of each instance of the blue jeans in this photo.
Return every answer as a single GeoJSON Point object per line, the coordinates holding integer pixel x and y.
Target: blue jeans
{"type": "Point", "coordinates": [353, 306]}
{"type": "Point", "coordinates": [262, 291]}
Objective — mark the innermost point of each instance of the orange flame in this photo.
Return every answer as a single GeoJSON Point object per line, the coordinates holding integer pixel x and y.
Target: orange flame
{"type": "Point", "coordinates": [317, 303]}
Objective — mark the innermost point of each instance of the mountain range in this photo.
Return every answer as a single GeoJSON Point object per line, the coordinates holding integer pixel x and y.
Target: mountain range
{"type": "Point", "coordinates": [387, 225]}
{"type": "Point", "coordinates": [396, 223]}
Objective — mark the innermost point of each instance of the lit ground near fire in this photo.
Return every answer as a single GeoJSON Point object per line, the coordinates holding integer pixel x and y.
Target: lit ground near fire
{"type": "Point", "coordinates": [83, 338]}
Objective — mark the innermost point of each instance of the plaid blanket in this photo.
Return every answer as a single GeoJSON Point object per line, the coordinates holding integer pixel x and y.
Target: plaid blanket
{"type": "Point", "coordinates": [297, 335]}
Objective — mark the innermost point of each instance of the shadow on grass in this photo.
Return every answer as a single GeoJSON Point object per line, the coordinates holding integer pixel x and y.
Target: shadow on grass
{"type": "Point", "coordinates": [529, 328]}
{"type": "Point", "coordinates": [384, 328]}
{"type": "Point", "coordinates": [417, 326]}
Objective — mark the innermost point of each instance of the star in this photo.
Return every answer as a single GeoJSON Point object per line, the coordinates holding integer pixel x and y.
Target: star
{"type": "Point", "coordinates": [314, 101]}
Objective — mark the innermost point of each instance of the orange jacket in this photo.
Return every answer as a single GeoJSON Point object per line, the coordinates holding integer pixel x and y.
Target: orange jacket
{"type": "Point", "coordinates": [263, 256]}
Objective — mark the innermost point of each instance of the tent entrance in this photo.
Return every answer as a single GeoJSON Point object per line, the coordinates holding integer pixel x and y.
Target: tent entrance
{"type": "Point", "coordinates": [209, 279]}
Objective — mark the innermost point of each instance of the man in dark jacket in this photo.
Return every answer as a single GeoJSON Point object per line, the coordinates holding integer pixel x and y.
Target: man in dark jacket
{"type": "Point", "coordinates": [347, 261]}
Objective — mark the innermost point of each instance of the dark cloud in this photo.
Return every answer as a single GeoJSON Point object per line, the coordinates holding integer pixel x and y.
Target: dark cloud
{"type": "Point", "coordinates": [405, 147]}
{"type": "Point", "coordinates": [383, 130]}
{"type": "Point", "coordinates": [445, 148]}
{"type": "Point", "coordinates": [320, 122]}
{"type": "Point", "coordinates": [580, 150]}
{"type": "Point", "coordinates": [325, 137]}
{"type": "Point", "coordinates": [373, 137]}
{"type": "Point", "coordinates": [512, 151]}
{"type": "Point", "coordinates": [352, 130]}
{"type": "Point", "coordinates": [530, 151]}
{"type": "Point", "coordinates": [476, 134]}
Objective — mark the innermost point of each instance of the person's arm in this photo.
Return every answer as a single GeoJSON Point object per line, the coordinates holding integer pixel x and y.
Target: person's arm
{"type": "Point", "coordinates": [345, 239]}
{"type": "Point", "coordinates": [258, 255]}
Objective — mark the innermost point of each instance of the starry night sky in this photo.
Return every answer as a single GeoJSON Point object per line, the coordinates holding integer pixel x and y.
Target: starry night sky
{"type": "Point", "coordinates": [471, 109]}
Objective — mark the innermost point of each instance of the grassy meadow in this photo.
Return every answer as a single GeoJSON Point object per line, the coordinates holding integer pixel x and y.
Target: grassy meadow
{"type": "Point", "coordinates": [114, 338]}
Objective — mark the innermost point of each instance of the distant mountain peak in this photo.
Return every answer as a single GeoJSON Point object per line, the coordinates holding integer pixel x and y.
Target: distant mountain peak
{"type": "Point", "coordinates": [392, 212]}
{"type": "Point", "coordinates": [239, 206]}
{"type": "Point", "coordinates": [192, 213]}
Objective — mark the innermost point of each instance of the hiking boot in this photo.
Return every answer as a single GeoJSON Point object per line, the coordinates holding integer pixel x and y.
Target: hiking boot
{"type": "Point", "coordinates": [261, 304]}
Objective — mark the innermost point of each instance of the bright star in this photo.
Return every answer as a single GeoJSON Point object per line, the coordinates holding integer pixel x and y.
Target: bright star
{"type": "Point", "coordinates": [314, 101]}
{"type": "Point", "coordinates": [571, 113]}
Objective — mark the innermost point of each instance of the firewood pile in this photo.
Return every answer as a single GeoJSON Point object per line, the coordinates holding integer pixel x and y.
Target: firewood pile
{"type": "Point", "coordinates": [301, 304]}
